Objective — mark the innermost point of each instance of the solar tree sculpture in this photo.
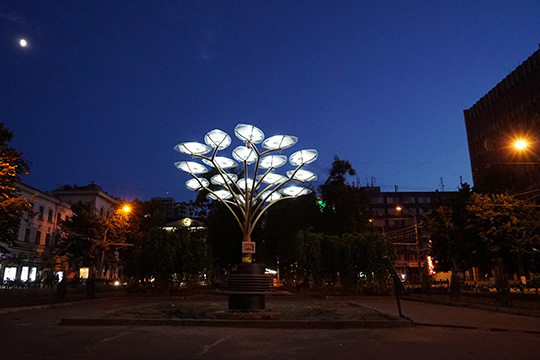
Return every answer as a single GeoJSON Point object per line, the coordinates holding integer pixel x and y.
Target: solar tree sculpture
{"type": "Point", "coordinates": [259, 186]}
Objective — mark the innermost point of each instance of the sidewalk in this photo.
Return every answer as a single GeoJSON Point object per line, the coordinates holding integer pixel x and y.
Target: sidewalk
{"type": "Point", "coordinates": [426, 314]}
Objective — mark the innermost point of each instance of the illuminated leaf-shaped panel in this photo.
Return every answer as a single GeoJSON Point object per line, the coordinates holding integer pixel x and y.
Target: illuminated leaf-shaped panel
{"type": "Point", "coordinates": [243, 153]}
{"type": "Point", "coordinates": [273, 197]}
{"type": "Point", "coordinates": [249, 133]}
{"type": "Point", "coordinates": [303, 157]}
{"type": "Point", "coordinates": [219, 180]}
{"type": "Point", "coordinates": [279, 142]}
{"type": "Point", "coordinates": [303, 175]}
{"type": "Point", "coordinates": [221, 194]}
{"type": "Point", "coordinates": [273, 178]}
{"type": "Point", "coordinates": [192, 148]}
{"type": "Point", "coordinates": [191, 167]}
{"type": "Point", "coordinates": [242, 183]}
{"type": "Point", "coordinates": [222, 162]}
{"type": "Point", "coordinates": [295, 191]}
{"type": "Point", "coordinates": [196, 184]}
{"type": "Point", "coordinates": [217, 139]}
{"type": "Point", "coordinates": [272, 161]}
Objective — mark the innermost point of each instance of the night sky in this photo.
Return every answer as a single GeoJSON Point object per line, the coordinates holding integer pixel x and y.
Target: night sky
{"type": "Point", "coordinates": [105, 89]}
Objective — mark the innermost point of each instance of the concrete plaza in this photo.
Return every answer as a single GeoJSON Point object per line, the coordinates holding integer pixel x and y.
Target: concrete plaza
{"type": "Point", "coordinates": [446, 333]}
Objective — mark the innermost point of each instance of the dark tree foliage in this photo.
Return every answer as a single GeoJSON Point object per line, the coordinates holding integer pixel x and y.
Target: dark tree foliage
{"type": "Point", "coordinates": [448, 223]}
{"type": "Point", "coordinates": [352, 261]}
{"type": "Point", "coordinates": [282, 223]}
{"type": "Point", "coordinates": [12, 205]}
{"type": "Point", "coordinates": [224, 236]}
{"type": "Point", "coordinates": [91, 240]}
{"type": "Point", "coordinates": [170, 257]}
{"type": "Point", "coordinates": [346, 207]}
{"type": "Point", "coordinates": [80, 233]}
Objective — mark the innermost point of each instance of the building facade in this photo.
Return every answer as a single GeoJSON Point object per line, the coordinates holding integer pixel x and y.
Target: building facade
{"type": "Point", "coordinates": [173, 210]}
{"type": "Point", "coordinates": [92, 195]}
{"type": "Point", "coordinates": [507, 113]}
{"type": "Point", "coordinates": [32, 257]}
{"type": "Point", "coordinates": [399, 215]}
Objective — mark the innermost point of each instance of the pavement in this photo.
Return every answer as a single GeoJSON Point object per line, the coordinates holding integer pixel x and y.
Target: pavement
{"type": "Point", "coordinates": [427, 314]}
{"type": "Point", "coordinates": [444, 332]}
{"type": "Point", "coordinates": [93, 312]}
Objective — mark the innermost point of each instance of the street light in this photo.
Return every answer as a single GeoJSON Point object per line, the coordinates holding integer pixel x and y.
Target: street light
{"type": "Point", "coordinates": [416, 243]}
{"type": "Point", "coordinates": [248, 193]}
{"type": "Point", "coordinates": [520, 144]}
{"type": "Point", "coordinates": [257, 186]}
{"type": "Point", "coordinates": [119, 214]}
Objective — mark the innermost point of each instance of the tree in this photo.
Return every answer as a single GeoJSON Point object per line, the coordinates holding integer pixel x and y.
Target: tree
{"type": "Point", "coordinates": [449, 226]}
{"type": "Point", "coordinates": [91, 240]}
{"type": "Point", "coordinates": [80, 233]}
{"type": "Point", "coordinates": [350, 260]}
{"type": "Point", "coordinates": [502, 235]}
{"type": "Point", "coordinates": [281, 225]}
{"type": "Point", "coordinates": [12, 205]}
{"type": "Point", "coordinates": [170, 256]}
{"type": "Point", "coordinates": [346, 207]}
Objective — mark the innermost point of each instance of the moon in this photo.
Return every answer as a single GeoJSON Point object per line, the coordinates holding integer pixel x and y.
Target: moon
{"type": "Point", "coordinates": [23, 43]}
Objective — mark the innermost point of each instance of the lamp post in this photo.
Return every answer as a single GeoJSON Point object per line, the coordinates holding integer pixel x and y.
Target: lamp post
{"type": "Point", "coordinates": [121, 213]}
{"type": "Point", "coordinates": [416, 242]}
{"type": "Point", "coordinates": [260, 187]}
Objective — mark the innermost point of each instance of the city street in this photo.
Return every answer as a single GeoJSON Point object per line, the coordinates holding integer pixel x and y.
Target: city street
{"type": "Point", "coordinates": [37, 334]}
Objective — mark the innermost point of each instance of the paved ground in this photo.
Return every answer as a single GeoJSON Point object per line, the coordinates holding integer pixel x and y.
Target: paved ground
{"type": "Point", "coordinates": [37, 335]}
{"type": "Point", "coordinates": [432, 314]}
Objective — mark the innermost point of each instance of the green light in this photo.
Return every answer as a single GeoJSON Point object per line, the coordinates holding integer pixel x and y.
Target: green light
{"type": "Point", "coordinates": [321, 204]}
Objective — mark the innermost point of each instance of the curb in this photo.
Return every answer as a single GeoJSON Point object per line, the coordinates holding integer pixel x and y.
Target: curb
{"type": "Point", "coordinates": [41, 307]}
{"type": "Point", "coordinates": [266, 324]}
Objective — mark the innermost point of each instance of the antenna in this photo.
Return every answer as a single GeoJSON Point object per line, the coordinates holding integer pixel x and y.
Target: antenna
{"type": "Point", "coordinates": [441, 185]}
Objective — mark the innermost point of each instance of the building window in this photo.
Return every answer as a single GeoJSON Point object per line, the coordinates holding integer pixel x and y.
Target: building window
{"type": "Point", "coordinates": [38, 237]}
{"type": "Point", "coordinates": [41, 212]}
{"type": "Point", "coordinates": [50, 216]}
{"type": "Point", "coordinates": [27, 235]}
{"type": "Point", "coordinates": [47, 239]}
{"type": "Point", "coordinates": [58, 218]}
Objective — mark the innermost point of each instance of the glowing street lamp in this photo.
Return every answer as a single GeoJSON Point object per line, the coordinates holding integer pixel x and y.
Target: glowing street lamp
{"type": "Point", "coordinates": [257, 187]}
{"type": "Point", "coordinates": [417, 241]}
{"type": "Point", "coordinates": [520, 144]}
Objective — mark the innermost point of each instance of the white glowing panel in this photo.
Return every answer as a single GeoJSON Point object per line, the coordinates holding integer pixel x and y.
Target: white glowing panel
{"type": "Point", "coordinates": [10, 273]}
{"type": "Point", "coordinates": [197, 184]}
{"type": "Point", "coordinates": [303, 175]}
{"type": "Point", "coordinates": [249, 133]}
{"type": "Point", "coordinates": [33, 274]}
{"type": "Point", "coordinates": [220, 179]}
{"type": "Point", "coordinates": [24, 273]}
{"type": "Point", "coordinates": [243, 153]}
{"type": "Point", "coordinates": [242, 184]}
{"type": "Point", "coordinates": [191, 167]}
{"type": "Point", "coordinates": [273, 178]}
{"type": "Point", "coordinates": [222, 162]}
{"type": "Point", "coordinates": [273, 197]}
{"type": "Point", "coordinates": [272, 161]}
{"type": "Point", "coordinates": [303, 157]}
{"type": "Point", "coordinates": [217, 139]}
{"type": "Point", "coordinates": [279, 142]}
{"type": "Point", "coordinates": [221, 194]}
{"type": "Point", "coordinates": [192, 148]}
{"type": "Point", "coordinates": [295, 191]}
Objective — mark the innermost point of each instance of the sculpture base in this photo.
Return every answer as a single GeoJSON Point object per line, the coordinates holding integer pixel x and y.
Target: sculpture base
{"type": "Point", "coordinates": [246, 287]}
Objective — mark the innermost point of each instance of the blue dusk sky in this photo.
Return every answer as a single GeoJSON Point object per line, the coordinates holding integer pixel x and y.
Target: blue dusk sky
{"type": "Point", "coordinates": [105, 89]}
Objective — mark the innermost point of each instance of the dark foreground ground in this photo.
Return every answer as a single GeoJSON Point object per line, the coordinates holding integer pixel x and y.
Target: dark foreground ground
{"type": "Point", "coordinates": [446, 333]}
